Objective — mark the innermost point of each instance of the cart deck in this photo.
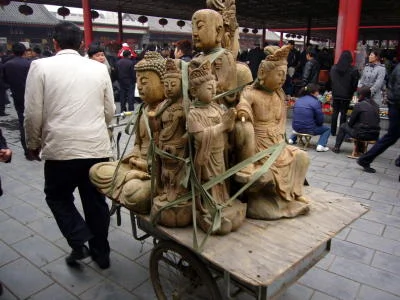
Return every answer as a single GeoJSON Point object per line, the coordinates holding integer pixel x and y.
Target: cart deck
{"type": "Point", "coordinates": [270, 255]}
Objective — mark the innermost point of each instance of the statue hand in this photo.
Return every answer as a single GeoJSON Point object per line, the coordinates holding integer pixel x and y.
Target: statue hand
{"type": "Point", "coordinates": [228, 119]}
{"type": "Point", "coordinates": [243, 116]}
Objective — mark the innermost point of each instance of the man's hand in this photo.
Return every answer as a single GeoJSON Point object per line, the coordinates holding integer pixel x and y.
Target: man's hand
{"type": "Point", "coordinates": [33, 154]}
{"type": "Point", "coordinates": [5, 155]}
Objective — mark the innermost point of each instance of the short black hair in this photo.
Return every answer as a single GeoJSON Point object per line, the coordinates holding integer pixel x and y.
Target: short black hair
{"type": "Point", "coordinates": [126, 53]}
{"type": "Point", "coordinates": [68, 35]}
{"type": "Point", "coordinates": [94, 48]}
{"type": "Point", "coordinates": [185, 46]}
{"type": "Point", "coordinates": [364, 92]}
{"type": "Point", "coordinates": [37, 50]}
{"type": "Point", "coordinates": [18, 49]}
{"type": "Point", "coordinates": [311, 53]}
{"type": "Point", "coordinates": [291, 42]}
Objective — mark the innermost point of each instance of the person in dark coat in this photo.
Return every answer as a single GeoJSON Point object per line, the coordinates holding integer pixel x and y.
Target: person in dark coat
{"type": "Point", "coordinates": [15, 73]}
{"type": "Point", "coordinates": [308, 117]}
{"type": "Point", "coordinates": [5, 154]}
{"type": "Point", "coordinates": [393, 133]}
{"type": "Point", "coordinates": [344, 79]}
{"type": "Point", "coordinates": [127, 80]}
{"type": "Point", "coordinates": [363, 123]}
{"type": "Point", "coordinates": [311, 69]}
{"type": "Point", "coordinates": [3, 92]}
{"type": "Point", "coordinates": [254, 57]}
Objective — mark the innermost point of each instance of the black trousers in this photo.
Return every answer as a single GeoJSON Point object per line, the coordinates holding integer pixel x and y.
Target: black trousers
{"type": "Point", "coordinates": [62, 177]}
{"type": "Point", "coordinates": [390, 138]}
{"type": "Point", "coordinates": [339, 106]}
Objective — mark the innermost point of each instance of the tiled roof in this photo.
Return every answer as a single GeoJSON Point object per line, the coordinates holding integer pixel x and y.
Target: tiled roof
{"type": "Point", "coordinates": [41, 16]}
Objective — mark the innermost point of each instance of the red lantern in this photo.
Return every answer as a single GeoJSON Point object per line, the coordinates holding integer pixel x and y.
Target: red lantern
{"type": "Point", "coordinates": [94, 14]}
{"type": "Point", "coordinates": [245, 30]}
{"type": "Point", "coordinates": [180, 23]}
{"type": "Point", "coordinates": [142, 19]}
{"type": "Point", "coordinates": [255, 31]}
{"type": "Point", "coordinates": [163, 22]}
{"type": "Point", "coordinates": [4, 2]}
{"type": "Point", "coordinates": [63, 11]}
{"type": "Point", "coordinates": [25, 9]}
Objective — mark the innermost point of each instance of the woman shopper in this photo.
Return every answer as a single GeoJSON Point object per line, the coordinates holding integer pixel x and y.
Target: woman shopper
{"type": "Point", "coordinates": [344, 79]}
{"type": "Point", "coordinates": [374, 75]}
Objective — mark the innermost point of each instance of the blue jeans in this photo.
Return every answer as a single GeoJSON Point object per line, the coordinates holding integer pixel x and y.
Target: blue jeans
{"type": "Point", "coordinates": [390, 138]}
{"type": "Point", "coordinates": [323, 131]}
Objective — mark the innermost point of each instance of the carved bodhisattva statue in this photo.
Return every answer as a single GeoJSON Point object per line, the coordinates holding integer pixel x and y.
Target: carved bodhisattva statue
{"type": "Point", "coordinates": [208, 32]}
{"type": "Point", "coordinates": [128, 182]}
{"type": "Point", "coordinates": [261, 124]}
{"type": "Point", "coordinates": [209, 124]}
{"type": "Point", "coordinates": [173, 141]}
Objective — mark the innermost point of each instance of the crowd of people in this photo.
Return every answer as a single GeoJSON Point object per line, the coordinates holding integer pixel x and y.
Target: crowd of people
{"type": "Point", "coordinates": [85, 107]}
{"type": "Point", "coordinates": [372, 82]}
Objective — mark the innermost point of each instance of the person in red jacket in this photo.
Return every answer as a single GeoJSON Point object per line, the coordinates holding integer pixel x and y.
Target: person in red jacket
{"type": "Point", "coordinates": [125, 46]}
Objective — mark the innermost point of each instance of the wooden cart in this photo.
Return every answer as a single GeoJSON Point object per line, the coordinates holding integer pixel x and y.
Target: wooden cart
{"type": "Point", "coordinates": [262, 258]}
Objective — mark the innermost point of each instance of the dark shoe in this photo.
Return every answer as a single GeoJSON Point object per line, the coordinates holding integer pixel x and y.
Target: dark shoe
{"type": "Point", "coordinates": [335, 150]}
{"type": "Point", "coordinates": [77, 254]}
{"type": "Point", "coordinates": [397, 162]}
{"type": "Point", "coordinates": [102, 260]}
{"type": "Point", "coordinates": [366, 167]}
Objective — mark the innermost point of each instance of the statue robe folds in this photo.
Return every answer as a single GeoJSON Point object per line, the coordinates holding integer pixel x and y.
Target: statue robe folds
{"type": "Point", "coordinates": [279, 192]}
{"type": "Point", "coordinates": [128, 182]}
{"type": "Point", "coordinates": [209, 162]}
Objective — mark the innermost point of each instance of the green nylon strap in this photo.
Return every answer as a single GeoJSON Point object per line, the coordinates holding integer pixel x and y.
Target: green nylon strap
{"type": "Point", "coordinates": [135, 120]}
{"type": "Point", "coordinates": [230, 92]}
{"type": "Point", "coordinates": [212, 56]}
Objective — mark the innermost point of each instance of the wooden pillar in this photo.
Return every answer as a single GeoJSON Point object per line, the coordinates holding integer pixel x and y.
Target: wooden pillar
{"type": "Point", "coordinates": [120, 31]}
{"type": "Point", "coordinates": [87, 23]}
{"type": "Point", "coordinates": [264, 34]}
{"type": "Point", "coordinates": [307, 40]}
{"type": "Point", "coordinates": [348, 25]}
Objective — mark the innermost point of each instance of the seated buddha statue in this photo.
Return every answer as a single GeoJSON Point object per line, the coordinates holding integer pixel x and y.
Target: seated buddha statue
{"type": "Point", "coordinates": [128, 181]}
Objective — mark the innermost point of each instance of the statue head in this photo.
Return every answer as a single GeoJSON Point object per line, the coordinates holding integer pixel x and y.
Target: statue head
{"type": "Point", "coordinates": [172, 80]}
{"type": "Point", "coordinates": [202, 83]}
{"type": "Point", "coordinates": [207, 29]}
{"type": "Point", "coordinates": [149, 75]}
{"type": "Point", "coordinates": [273, 69]}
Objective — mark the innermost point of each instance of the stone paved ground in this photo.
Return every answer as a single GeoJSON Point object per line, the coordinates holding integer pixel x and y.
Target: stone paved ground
{"type": "Point", "coordinates": [364, 262]}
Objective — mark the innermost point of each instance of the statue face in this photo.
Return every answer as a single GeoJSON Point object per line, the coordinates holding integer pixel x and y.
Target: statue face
{"type": "Point", "coordinates": [275, 78]}
{"type": "Point", "coordinates": [206, 91]}
{"type": "Point", "coordinates": [172, 88]}
{"type": "Point", "coordinates": [150, 87]}
{"type": "Point", "coordinates": [205, 33]}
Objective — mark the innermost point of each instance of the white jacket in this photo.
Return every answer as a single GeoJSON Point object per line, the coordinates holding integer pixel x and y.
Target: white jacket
{"type": "Point", "coordinates": [69, 102]}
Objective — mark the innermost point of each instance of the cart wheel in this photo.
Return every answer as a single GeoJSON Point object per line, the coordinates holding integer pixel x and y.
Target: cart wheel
{"type": "Point", "coordinates": [177, 273]}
